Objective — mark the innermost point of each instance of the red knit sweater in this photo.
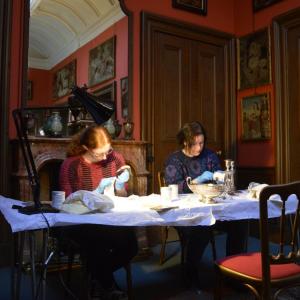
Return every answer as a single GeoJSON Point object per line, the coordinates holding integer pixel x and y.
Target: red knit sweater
{"type": "Point", "coordinates": [77, 174]}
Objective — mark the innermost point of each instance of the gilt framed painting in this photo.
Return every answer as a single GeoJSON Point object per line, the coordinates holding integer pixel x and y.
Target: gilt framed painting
{"type": "Point", "coordinates": [195, 6]}
{"type": "Point", "coordinates": [261, 4]}
{"type": "Point", "coordinates": [102, 62]}
{"type": "Point", "coordinates": [254, 61]}
{"type": "Point", "coordinates": [256, 120]}
{"type": "Point", "coordinates": [64, 79]}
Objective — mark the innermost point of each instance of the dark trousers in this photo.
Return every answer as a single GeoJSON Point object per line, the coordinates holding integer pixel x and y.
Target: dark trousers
{"type": "Point", "coordinates": [196, 238]}
{"type": "Point", "coordinates": [106, 248]}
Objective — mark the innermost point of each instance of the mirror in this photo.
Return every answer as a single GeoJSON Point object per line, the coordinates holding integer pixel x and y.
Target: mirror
{"type": "Point", "coordinates": [66, 40]}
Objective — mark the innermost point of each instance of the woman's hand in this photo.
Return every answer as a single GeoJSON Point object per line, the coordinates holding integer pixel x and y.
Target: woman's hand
{"type": "Point", "coordinates": [121, 179]}
{"type": "Point", "coordinates": [105, 182]}
{"type": "Point", "coordinates": [205, 176]}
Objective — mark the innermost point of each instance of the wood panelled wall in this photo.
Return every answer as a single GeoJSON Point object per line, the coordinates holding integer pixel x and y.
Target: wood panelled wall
{"type": "Point", "coordinates": [245, 175]}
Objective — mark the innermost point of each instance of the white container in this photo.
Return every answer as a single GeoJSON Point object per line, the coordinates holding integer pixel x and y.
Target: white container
{"type": "Point", "coordinates": [58, 198]}
{"type": "Point", "coordinates": [165, 193]}
{"type": "Point", "coordinates": [174, 191]}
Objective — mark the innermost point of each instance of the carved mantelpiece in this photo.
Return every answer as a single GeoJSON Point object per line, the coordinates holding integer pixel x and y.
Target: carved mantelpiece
{"type": "Point", "coordinates": [49, 150]}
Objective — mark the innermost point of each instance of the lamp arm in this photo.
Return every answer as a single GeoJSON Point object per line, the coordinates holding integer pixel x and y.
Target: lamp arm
{"type": "Point", "coordinates": [27, 155]}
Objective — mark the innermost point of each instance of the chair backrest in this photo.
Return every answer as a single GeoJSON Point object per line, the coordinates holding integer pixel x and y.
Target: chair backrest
{"type": "Point", "coordinates": [161, 178]}
{"type": "Point", "coordinates": [284, 191]}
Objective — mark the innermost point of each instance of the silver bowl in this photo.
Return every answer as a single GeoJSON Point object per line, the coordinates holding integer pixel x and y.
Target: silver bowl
{"type": "Point", "coordinates": [205, 191]}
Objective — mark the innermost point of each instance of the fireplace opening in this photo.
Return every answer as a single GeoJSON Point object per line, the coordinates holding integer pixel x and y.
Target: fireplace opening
{"type": "Point", "coordinates": [49, 178]}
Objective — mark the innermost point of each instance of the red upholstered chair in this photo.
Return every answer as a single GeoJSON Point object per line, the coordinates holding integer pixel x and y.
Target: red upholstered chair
{"type": "Point", "coordinates": [263, 271]}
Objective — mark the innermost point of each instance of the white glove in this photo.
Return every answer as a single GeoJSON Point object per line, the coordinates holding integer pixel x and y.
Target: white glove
{"type": "Point", "coordinates": [121, 179]}
{"type": "Point", "coordinates": [105, 182]}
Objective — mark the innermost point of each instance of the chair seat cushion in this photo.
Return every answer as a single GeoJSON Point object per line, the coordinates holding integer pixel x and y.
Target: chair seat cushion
{"type": "Point", "coordinates": [249, 264]}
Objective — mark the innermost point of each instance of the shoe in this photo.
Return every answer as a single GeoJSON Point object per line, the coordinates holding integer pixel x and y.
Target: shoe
{"type": "Point", "coordinates": [100, 293]}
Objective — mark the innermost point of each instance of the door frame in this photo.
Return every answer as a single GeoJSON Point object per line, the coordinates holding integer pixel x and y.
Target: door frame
{"type": "Point", "coordinates": [150, 24]}
{"type": "Point", "coordinates": [281, 26]}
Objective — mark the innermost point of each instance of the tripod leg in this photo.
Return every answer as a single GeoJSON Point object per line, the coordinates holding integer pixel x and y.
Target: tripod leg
{"type": "Point", "coordinates": [32, 263]}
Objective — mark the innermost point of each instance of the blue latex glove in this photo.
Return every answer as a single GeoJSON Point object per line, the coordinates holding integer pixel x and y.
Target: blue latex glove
{"type": "Point", "coordinates": [121, 179]}
{"type": "Point", "coordinates": [205, 176]}
{"type": "Point", "coordinates": [104, 183]}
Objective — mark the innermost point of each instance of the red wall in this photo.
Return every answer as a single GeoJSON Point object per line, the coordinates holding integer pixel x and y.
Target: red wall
{"type": "Point", "coordinates": [42, 80]}
{"type": "Point", "coordinates": [260, 153]}
{"type": "Point", "coordinates": [232, 16]}
{"type": "Point", "coordinates": [16, 63]}
{"type": "Point", "coordinates": [220, 16]}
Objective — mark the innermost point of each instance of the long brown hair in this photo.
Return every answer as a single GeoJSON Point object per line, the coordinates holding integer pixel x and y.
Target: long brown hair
{"type": "Point", "coordinates": [91, 137]}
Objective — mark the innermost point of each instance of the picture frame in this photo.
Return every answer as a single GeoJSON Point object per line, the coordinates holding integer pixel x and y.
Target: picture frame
{"type": "Point", "coordinates": [102, 62]}
{"type": "Point", "coordinates": [64, 79]}
{"type": "Point", "coordinates": [254, 59]}
{"type": "Point", "coordinates": [256, 117]}
{"type": "Point", "coordinates": [107, 93]}
{"type": "Point", "coordinates": [29, 90]}
{"type": "Point", "coordinates": [195, 6]}
{"type": "Point", "coordinates": [261, 4]}
{"type": "Point", "coordinates": [124, 97]}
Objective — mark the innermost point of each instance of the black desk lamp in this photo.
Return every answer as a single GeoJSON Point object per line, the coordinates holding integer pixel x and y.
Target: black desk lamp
{"type": "Point", "coordinates": [99, 110]}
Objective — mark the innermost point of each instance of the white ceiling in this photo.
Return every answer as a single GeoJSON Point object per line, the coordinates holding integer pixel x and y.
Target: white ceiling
{"type": "Point", "coordinates": [60, 27]}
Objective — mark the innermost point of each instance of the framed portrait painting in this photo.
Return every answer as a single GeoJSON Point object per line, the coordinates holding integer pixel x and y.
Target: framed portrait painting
{"type": "Point", "coordinates": [256, 121]}
{"type": "Point", "coordinates": [102, 62]}
{"type": "Point", "coordinates": [195, 6]}
{"type": "Point", "coordinates": [254, 67]}
{"type": "Point", "coordinates": [64, 79]}
{"type": "Point", "coordinates": [260, 4]}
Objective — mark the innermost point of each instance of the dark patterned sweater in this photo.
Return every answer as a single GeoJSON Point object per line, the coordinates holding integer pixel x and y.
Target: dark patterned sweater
{"type": "Point", "coordinates": [178, 167]}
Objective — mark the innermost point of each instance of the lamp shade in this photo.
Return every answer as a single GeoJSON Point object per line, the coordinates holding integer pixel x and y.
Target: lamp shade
{"type": "Point", "coordinates": [100, 110]}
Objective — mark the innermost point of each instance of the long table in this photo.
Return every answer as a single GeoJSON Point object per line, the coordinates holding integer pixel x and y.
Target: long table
{"type": "Point", "coordinates": [137, 211]}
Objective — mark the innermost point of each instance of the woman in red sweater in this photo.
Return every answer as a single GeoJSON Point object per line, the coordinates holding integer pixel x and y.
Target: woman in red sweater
{"type": "Point", "coordinates": [93, 164]}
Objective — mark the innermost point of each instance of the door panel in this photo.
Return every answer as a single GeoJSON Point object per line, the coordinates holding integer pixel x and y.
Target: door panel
{"type": "Point", "coordinates": [207, 103]}
{"type": "Point", "coordinates": [186, 75]}
{"type": "Point", "coordinates": [190, 87]}
{"type": "Point", "coordinates": [286, 30]}
{"type": "Point", "coordinates": [171, 72]}
{"type": "Point", "coordinates": [294, 102]}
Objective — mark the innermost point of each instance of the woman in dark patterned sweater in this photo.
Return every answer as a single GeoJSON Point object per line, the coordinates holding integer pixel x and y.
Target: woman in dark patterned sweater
{"type": "Point", "coordinates": [92, 165]}
{"type": "Point", "coordinates": [195, 161]}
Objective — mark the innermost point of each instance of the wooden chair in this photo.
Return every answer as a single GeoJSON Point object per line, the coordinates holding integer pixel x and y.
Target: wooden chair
{"type": "Point", "coordinates": [165, 229]}
{"type": "Point", "coordinates": [264, 270]}
{"type": "Point", "coordinates": [165, 232]}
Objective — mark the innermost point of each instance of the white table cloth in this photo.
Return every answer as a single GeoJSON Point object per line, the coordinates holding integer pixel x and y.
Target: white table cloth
{"type": "Point", "coordinates": [135, 211]}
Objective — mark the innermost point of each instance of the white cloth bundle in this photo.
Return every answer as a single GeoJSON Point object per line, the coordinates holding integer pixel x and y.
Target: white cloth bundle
{"type": "Point", "coordinates": [82, 202]}
{"type": "Point", "coordinates": [255, 189]}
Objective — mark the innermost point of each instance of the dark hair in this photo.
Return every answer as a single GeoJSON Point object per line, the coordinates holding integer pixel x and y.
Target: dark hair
{"type": "Point", "coordinates": [187, 133]}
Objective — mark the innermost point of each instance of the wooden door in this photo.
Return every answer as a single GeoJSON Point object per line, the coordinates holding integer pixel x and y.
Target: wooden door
{"type": "Point", "coordinates": [287, 66]}
{"type": "Point", "coordinates": [186, 81]}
